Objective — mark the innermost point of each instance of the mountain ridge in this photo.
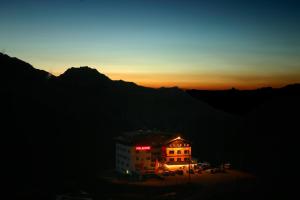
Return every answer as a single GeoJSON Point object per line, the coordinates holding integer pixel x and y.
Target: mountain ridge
{"type": "Point", "coordinates": [60, 129]}
{"type": "Point", "coordinates": [91, 73]}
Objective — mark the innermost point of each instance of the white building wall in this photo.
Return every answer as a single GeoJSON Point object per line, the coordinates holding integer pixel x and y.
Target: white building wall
{"type": "Point", "coordinates": [127, 159]}
{"type": "Point", "coordinates": [124, 158]}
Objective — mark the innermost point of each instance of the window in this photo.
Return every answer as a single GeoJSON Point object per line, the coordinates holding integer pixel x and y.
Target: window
{"type": "Point", "coordinates": [137, 158]}
{"type": "Point", "coordinates": [171, 159]}
{"type": "Point", "coordinates": [178, 159]}
{"type": "Point", "coordinates": [186, 151]}
{"type": "Point", "coordinates": [171, 152]}
{"type": "Point", "coordinates": [178, 152]}
{"type": "Point", "coordinates": [186, 159]}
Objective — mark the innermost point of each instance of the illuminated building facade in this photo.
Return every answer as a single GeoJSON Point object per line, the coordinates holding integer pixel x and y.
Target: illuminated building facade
{"type": "Point", "coordinates": [150, 151]}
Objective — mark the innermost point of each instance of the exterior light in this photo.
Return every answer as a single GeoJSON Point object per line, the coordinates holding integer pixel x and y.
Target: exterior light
{"type": "Point", "coordinates": [178, 138]}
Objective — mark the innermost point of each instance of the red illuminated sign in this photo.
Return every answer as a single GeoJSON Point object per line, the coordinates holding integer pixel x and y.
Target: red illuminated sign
{"type": "Point", "coordinates": [142, 148]}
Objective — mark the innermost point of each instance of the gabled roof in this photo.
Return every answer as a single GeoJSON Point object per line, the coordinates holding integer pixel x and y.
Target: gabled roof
{"type": "Point", "coordinates": [177, 139]}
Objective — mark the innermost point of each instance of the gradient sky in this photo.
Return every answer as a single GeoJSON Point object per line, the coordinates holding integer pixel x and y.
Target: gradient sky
{"type": "Point", "coordinates": [191, 44]}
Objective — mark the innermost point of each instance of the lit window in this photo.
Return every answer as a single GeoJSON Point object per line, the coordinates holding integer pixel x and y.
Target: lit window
{"type": "Point", "coordinates": [178, 152]}
{"type": "Point", "coordinates": [186, 151]}
{"type": "Point", "coordinates": [171, 159]}
{"type": "Point", "coordinates": [171, 152]}
{"type": "Point", "coordinates": [178, 159]}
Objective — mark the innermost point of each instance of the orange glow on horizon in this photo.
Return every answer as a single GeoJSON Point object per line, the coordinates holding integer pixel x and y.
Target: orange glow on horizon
{"type": "Point", "coordinates": [217, 81]}
{"type": "Point", "coordinates": [190, 86]}
{"type": "Point", "coordinates": [206, 81]}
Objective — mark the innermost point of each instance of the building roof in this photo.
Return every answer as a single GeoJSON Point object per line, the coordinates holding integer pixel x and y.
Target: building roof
{"type": "Point", "coordinates": [146, 137]}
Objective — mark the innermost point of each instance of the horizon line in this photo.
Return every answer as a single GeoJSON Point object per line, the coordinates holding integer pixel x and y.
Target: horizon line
{"type": "Point", "coordinates": [146, 79]}
{"type": "Point", "coordinates": [157, 85]}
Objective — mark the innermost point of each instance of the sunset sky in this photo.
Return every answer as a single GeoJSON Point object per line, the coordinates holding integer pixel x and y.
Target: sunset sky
{"type": "Point", "coordinates": [191, 44]}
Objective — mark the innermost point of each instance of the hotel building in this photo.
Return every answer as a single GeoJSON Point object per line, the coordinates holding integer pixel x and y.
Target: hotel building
{"type": "Point", "coordinates": [141, 152]}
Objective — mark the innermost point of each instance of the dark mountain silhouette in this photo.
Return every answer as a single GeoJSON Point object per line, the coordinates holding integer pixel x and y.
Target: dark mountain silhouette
{"type": "Point", "coordinates": [84, 76]}
{"type": "Point", "coordinates": [16, 72]}
{"type": "Point", "coordinates": [267, 139]}
{"type": "Point", "coordinates": [242, 102]}
{"type": "Point", "coordinates": [60, 130]}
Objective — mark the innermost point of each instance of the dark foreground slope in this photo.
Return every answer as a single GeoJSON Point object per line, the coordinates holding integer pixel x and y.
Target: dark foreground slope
{"type": "Point", "coordinates": [60, 130]}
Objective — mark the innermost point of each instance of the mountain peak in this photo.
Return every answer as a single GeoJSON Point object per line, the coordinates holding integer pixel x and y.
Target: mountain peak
{"type": "Point", "coordinates": [83, 74]}
{"type": "Point", "coordinates": [81, 70]}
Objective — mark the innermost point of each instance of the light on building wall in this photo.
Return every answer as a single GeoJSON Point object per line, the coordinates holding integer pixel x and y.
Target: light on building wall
{"type": "Point", "coordinates": [127, 171]}
{"type": "Point", "coordinates": [178, 138]}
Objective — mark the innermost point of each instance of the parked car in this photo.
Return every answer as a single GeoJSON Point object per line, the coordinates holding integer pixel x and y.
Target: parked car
{"type": "Point", "coordinates": [227, 166]}
{"type": "Point", "coordinates": [172, 173]}
{"type": "Point", "coordinates": [204, 165]}
{"type": "Point", "coordinates": [215, 170]}
{"type": "Point", "coordinates": [211, 170]}
{"type": "Point", "coordinates": [179, 172]}
{"type": "Point", "coordinates": [166, 173]}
